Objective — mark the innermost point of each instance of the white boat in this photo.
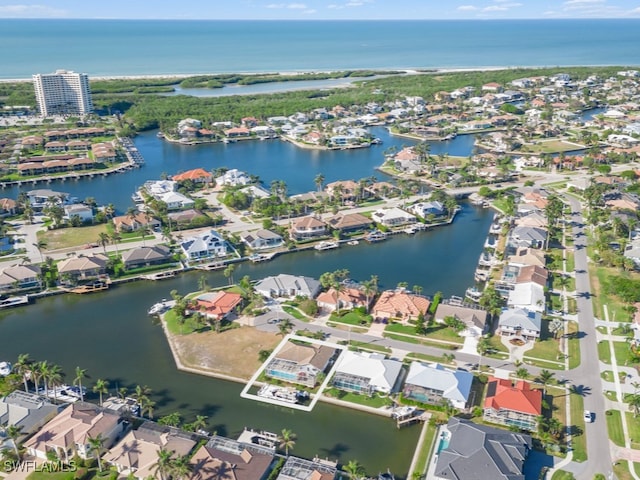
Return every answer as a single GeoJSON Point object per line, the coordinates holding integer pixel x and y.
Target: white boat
{"type": "Point", "coordinates": [159, 308]}
{"type": "Point", "coordinates": [283, 394]}
{"type": "Point", "coordinates": [410, 230]}
{"type": "Point", "coordinates": [353, 242]}
{"type": "Point", "coordinates": [64, 393]}
{"type": "Point", "coordinates": [137, 198]}
{"type": "Point", "coordinates": [326, 245]}
{"type": "Point", "coordinates": [5, 369]}
{"type": "Point", "coordinates": [160, 275]}
{"type": "Point", "coordinates": [14, 301]}
{"type": "Point", "coordinates": [403, 412]}
{"type": "Point", "coordinates": [376, 236]}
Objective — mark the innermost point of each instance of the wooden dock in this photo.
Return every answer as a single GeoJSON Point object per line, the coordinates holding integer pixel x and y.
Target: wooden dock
{"type": "Point", "coordinates": [94, 287]}
{"type": "Point", "coordinates": [404, 422]}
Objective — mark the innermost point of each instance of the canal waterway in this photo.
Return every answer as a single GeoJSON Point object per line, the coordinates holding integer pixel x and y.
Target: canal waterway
{"type": "Point", "coordinates": [110, 335]}
{"type": "Point", "coordinates": [270, 160]}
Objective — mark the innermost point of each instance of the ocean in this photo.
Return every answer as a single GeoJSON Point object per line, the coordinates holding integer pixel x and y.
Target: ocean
{"type": "Point", "coordinates": [156, 47]}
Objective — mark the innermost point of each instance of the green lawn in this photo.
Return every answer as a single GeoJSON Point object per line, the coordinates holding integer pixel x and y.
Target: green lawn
{"type": "Point", "coordinates": [548, 348]}
{"type": "Point", "coordinates": [562, 475]}
{"type": "Point", "coordinates": [351, 318]}
{"type": "Point", "coordinates": [424, 454]}
{"type": "Point", "coordinates": [51, 476]}
{"type": "Point", "coordinates": [633, 425]}
{"type": "Point", "coordinates": [175, 327]}
{"type": "Point", "coordinates": [615, 307]}
{"type": "Point", "coordinates": [418, 341]}
{"type": "Point", "coordinates": [577, 420]}
{"type": "Point", "coordinates": [294, 312]}
{"type": "Point", "coordinates": [436, 332]}
{"type": "Point", "coordinates": [375, 401]}
{"type": "Point", "coordinates": [71, 236]}
{"type": "Point", "coordinates": [604, 352]}
{"type": "Point", "coordinates": [574, 345]}
{"type": "Point", "coordinates": [571, 263]}
{"type": "Point", "coordinates": [614, 426]}
{"type": "Point", "coordinates": [370, 346]}
{"type": "Point", "coordinates": [423, 356]}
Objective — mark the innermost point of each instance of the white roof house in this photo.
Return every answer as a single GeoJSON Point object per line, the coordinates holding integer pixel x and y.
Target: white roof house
{"type": "Point", "coordinates": [175, 200]}
{"type": "Point", "coordinates": [205, 245]}
{"type": "Point", "coordinates": [285, 285]}
{"type": "Point", "coordinates": [392, 216]}
{"type": "Point", "coordinates": [529, 295]}
{"type": "Point", "coordinates": [520, 321]}
{"type": "Point", "coordinates": [363, 372]}
{"type": "Point", "coordinates": [451, 385]}
{"type": "Point", "coordinates": [234, 178]}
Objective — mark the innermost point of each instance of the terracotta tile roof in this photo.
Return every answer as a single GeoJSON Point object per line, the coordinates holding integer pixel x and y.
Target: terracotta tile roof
{"type": "Point", "coordinates": [218, 304]}
{"type": "Point", "coordinates": [394, 303]}
{"type": "Point", "coordinates": [195, 174]}
{"type": "Point", "coordinates": [502, 394]}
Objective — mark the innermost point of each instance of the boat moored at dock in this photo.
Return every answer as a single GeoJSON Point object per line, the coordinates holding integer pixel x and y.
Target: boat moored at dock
{"type": "Point", "coordinates": [326, 245]}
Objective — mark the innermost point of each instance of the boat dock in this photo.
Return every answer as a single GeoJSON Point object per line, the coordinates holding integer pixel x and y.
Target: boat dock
{"type": "Point", "coordinates": [414, 418]}
{"type": "Point", "coordinates": [160, 275]}
{"type": "Point", "coordinates": [92, 287]}
{"type": "Point", "coordinates": [14, 301]}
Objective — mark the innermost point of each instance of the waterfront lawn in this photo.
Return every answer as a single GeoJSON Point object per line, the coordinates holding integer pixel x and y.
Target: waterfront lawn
{"type": "Point", "coordinates": [183, 326]}
{"type": "Point", "coordinates": [614, 426]}
{"type": "Point", "coordinates": [579, 439]}
{"type": "Point", "coordinates": [374, 401]}
{"type": "Point", "coordinates": [425, 453]}
{"type": "Point", "coordinates": [71, 236]}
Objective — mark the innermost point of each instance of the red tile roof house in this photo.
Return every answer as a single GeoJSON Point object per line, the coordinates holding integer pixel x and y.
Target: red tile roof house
{"type": "Point", "coordinates": [237, 132]}
{"type": "Point", "coordinates": [512, 404]}
{"type": "Point", "coordinates": [400, 305]}
{"type": "Point", "coordinates": [348, 298]}
{"type": "Point", "coordinates": [69, 432]}
{"type": "Point", "coordinates": [216, 305]}
{"type": "Point", "coordinates": [126, 223]}
{"type": "Point", "coordinates": [197, 175]}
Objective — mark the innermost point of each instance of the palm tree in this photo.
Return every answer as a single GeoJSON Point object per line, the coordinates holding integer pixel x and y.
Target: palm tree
{"type": "Point", "coordinates": [43, 372]}
{"type": "Point", "coordinates": [144, 232]}
{"type": "Point", "coordinates": [287, 440]}
{"type": "Point", "coordinates": [285, 327]}
{"type": "Point", "coordinates": [181, 467]}
{"type": "Point", "coordinates": [53, 378]}
{"type": "Point", "coordinates": [545, 377]}
{"type": "Point", "coordinates": [115, 239]}
{"type": "Point", "coordinates": [95, 445]}
{"type": "Point", "coordinates": [354, 469]}
{"type": "Point", "coordinates": [101, 387]}
{"type": "Point", "coordinates": [14, 432]}
{"type": "Point", "coordinates": [23, 367]}
{"type": "Point", "coordinates": [228, 272]}
{"type": "Point", "coordinates": [148, 406]}
{"type": "Point", "coordinates": [40, 246]}
{"type": "Point", "coordinates": [103, 239]}
{"type": "Point", "coordinates": [555, 326]}
{"type": "Point", "coordinates": [141, 394]}
{"type": "Point", "coordinates": [80, 374]}
{"type": "Point", "coordinates": [319, 181]}
{"type": "Point", "coordinates": [163, 464]}
{"type": "Point", "coordinates": [200, 422]}
{"type": "Point", "coordinates": [522, 373]}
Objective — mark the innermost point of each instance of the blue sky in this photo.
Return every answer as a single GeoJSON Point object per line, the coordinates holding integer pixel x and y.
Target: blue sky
{"type": "Point", "coordinates": [321, 9]}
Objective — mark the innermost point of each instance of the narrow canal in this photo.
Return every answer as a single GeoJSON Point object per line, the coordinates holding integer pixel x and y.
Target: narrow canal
{"type": "Point", "coordinates": [111, 336]}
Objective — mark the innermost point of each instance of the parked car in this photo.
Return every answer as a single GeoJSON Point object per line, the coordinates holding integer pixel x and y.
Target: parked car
{"type": "Point", "coordinates": [588, 416]}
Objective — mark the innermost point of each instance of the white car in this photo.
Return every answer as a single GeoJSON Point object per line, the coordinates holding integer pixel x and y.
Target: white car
{"type": "Point", "coordinates": [588, 416]}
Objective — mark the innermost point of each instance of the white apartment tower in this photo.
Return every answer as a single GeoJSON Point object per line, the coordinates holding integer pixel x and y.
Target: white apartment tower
{"type": "Point", "coordinates": [63, 92]}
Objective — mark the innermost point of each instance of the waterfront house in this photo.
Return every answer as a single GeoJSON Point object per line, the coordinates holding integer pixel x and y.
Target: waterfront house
{"type": "Point", "coordinates": [347, 297]}
{"type": "Point", "coordinates": [146, 256]}
{"type": "Point", "coordinates": [83, 268]}
{"type": "Point", "coordinates": [27, 411]}
{"type": "Point", "coordinates": [216, 305]}
{"type": "Point", "coordinates": [68, 433]}
{"type": "Point", "coordinates": [184, 218]}
{"type": "Point", "coordinates": [301, 469]}
{"type": "Point", "coordinates": [226, 459]}
{"type": "Point", "coordinates": [136, 455]}
{"type": "Point", "coordinates": [288, 286]}
{"type": "Point", "coordinates": [528, 237]}
{"type": "Point", "coordinates": [237, 132]}
{"type": "Point", "coordinates": [137, 221]}
{"type": "Point", "coordinates": [300, 363]}
{"type": "Point", "coordinates": [175, 200]}
{"type": "Point", "coordinates": [529, 295]}
{"type": "Point", "coordinates": [347, 189]}
{"type": "Point", "coordinates": [513, 404]}
{"type": "Point", "coordinates": [520, 322]}
{"type": "Point", "coordinates": [233, 178]}
{"type": "Point", "coordinates": [425, 209]}
{"type": "Point", "coordinates": [197, 175]}
{"type": "Point", "coordinates": [533, 219]}
{"type": "Point", "coordinates": [433, 384]}
{"type": "Point", "coordinates": [104, 152]}
{"type": "Point", "coordinates": [527, 256]}
{"type": "Point", "coordinates": [479, 452]}
{"type": "Point", "coordinates": [208, 244]}
{"type": "Point", "coordinates": [8, 206]}
{"type": "Point", "coordinates": [83, 212]}
{"type": "Point", "coordinates": [366, 373]}
{"type": "Point", "coordinates": [400, 305]}
{"type": "Point", "coordinates": [19, 277]}
{"type": "Point", "coordinates": [307, 228]}
{"type": "Point", "coordinates": [474, 317]}
{"type": "Point", "coordinates": [41, 198]}
{"type": "Point", "coordinates": [533, 273]}
{"type": "Point", "coordinates": [262, 239]}
{"type": "Point", "coordinates": [350, 222]}
{"type": "Point", "coordinates": [393, 217]}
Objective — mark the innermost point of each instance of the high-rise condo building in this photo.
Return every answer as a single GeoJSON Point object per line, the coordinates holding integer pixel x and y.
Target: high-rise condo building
{"type": "Point", "coordinates": [63, 92]}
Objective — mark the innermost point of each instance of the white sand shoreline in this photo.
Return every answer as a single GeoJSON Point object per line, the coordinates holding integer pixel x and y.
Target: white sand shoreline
{"type": "Point", "coordinates": [407, 71]}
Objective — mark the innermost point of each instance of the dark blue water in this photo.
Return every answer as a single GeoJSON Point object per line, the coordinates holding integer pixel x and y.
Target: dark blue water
{"type": "Point", "coordinates": [270, 160]}
{"type": "Point", "coordinates": [138, 47]}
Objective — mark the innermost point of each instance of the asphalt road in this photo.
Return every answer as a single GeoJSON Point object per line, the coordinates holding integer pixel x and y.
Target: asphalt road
{"type": "Point", "coordinates": [586, 378]}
